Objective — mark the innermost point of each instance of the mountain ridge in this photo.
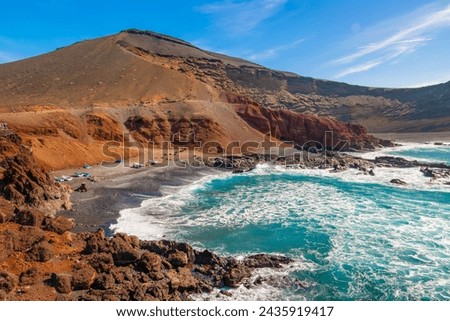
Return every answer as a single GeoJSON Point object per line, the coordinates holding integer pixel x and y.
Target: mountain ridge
{"type": "Point", "coordinates": [150, 85]}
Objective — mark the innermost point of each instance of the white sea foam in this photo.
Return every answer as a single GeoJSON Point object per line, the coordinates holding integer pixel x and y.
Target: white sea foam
{"type": "Point", "coordinates": [157, 216]}
{"type": "Point", "coordinates": [384, 236]}
{"type": "Point", "coordinates": [405, 146]}
{"type": "Point", "coordinates": [276, 284]}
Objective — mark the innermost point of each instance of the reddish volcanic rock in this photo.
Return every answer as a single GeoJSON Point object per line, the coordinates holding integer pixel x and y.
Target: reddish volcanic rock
{"type": "Point", "coordinates": [306, 128]}
{"type": "Point", "coordinates": [83, 277]}
{"type": "Point", "coordinates": [57, 267]}
{"type": "Point", "coordinates": [25, 182]}
{"type": "Point", "coordinates": [30, 217]}
{"type": "Point", "coordinates": [41, 252]}
{"type": "Point", "coordinates": [8, 281]}
{"type": "Point", "coordinates": [59, 225]}
{"type": "Point", "coordinates": [62, 282]}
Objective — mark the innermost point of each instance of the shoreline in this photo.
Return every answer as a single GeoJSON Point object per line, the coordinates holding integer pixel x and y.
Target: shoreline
{"type": "Point", "coordinates": [117, 187]}
{"type": "Point", "coordinates": [121, 188]}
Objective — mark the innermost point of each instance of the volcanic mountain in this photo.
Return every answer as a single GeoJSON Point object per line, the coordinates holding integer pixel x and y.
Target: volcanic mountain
{"type": "Point", "coordinates": [67, 103]}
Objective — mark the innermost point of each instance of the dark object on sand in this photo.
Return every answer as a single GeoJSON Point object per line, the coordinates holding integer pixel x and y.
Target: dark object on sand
{"type": "Point", "coordinates": [398, 181]}
{"type": "Point", "coordinates": [82, 188]}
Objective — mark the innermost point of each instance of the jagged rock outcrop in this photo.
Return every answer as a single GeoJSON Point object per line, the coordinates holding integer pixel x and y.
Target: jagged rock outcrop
{"type": "Point", "coordinates": [24, 182]}
{"type": "Point", "coordinates": [91, 266]}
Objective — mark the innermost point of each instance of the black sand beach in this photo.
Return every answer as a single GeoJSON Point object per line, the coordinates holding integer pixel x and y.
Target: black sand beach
{"type": "Point", "coordinates": [120, 187]}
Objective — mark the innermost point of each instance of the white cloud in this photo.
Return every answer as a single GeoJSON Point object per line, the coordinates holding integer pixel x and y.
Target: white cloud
{"type": "Point", "coordinates": [391, 56]}
{"type": "Point", "coordinates": [358, 68]}
{"type": "Point", "coordinates": [395, 43]}
{"type": "Point", "coordinates": [7, 57]}
{"type": "Point", "coordinates": [273, 52]}
{"type": "Point", "coordinates": [242, 17]}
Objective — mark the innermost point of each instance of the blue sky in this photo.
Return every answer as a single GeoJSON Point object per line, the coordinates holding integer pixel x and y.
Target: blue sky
{"type": "Point", "coordinates": [384, 43]}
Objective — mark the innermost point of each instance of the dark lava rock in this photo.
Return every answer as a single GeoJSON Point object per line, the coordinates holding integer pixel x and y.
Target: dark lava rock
{"type": "Point", "coordinates": [59, 225]}
{"type": "Point", "coordinates": [40, 252]}
{"type": "Point", "coordinates": [101, 262]}
{"type": "Point", "coordinates": [149, 262]}
{"type": "Point", "coordinates": [162, 247]}
{"type": "Point", "coordinates": [29, 277]}
{"type": "Point", "coordinates": [235, 275]}
{"type": "Point", "coordinates": [96, 243]}
{"type": "Point", "coordinates": [178, 259]}
{"type": "Point", "coordinates": [7, 281]}
{"type": "Point", "coordinates": [266, 261]}
{"type": "Point", "coordinates": [207, 258]}
{"type": "Point", "coordinates": [62, 282]}
{"type": "Point", "coordinates": [186, 248]}
{"type": "Point", "coordinates": [29, 217]}
{"type": "Point", "coordinates": [83, 278]}
{"type": "Point", "coordinates": [398, 181]}
{"type": "Point", "coordinates": [104, 282]}
{"type": "Point", "coordinates": [122, 250]}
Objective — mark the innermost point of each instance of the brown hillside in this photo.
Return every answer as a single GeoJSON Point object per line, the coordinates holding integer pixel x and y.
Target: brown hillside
{"type": "Point", "coordinates": [67, 103]}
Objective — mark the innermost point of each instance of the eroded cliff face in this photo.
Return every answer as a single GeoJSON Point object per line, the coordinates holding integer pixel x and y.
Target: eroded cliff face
{"type": "Point", "coordinates": [309, 129]}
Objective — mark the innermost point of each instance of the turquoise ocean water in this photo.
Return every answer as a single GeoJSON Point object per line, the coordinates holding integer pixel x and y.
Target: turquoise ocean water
{"type": "Point", "coordinates": [353, 237]}
{"type": "Point", "coordinates": [439, 154]}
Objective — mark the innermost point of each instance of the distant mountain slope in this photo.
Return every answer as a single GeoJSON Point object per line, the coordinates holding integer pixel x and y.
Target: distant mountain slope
{"type": "Point", "coordinates": [152, 86]}
{"type": "Point", "coordinates": [111, 70]}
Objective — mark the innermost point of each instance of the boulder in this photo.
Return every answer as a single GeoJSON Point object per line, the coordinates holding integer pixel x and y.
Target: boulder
{"type": "Point", "coordinates": [83, 277]}
{"type": "Point", "coordinates": [59, 225]}
{"type": "Point", "coordinates": [62, 282]}
{"type": "Point", "coordinates": [398, 182]}
{"type": "Point", "coordinates": [186, 248]}
{"type": "Point", "coordinates": [104, 282]}
{"type": "Point", "coordinates": [123, 274]}
{"type": "Point", "coordinates": [162, 247]}
{"type": "Point", "coordinates": [122, 251]}
{"type": "Point", "coordinates": [207, 258]}
{"type": "Point", "coordinates": [40, 252]}
{"type": "Point", "coordinates": [182, 280]}
{"type": "Point", "coordinates": [8, 281]}
{"type": "Point", "coordinates": [159, 290]}
{"type": "Point", "coordinates": [266, 261]}
{"type": "Point", "coordinates": [101, 262]}
{"type": "Point", "coordinates": [96, 243]}
{"type": "Point", "coordinates": [29, 217]}
{"type": "Point", "coordinates": [187, 281]}
{"type": "Point", "coordinates": [235, 275]}
{"type": "Point", "coordinates": [178, 259]}
{"type": "Point", "coordinates": [29, 277]}
{"type": "Point", "coordinates": [149, 262]}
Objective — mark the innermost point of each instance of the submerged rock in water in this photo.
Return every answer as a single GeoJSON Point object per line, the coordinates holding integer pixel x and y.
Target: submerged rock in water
{"type": "Point", "coordinates": [398, 182]}
{"type": "Point", "coordinates": [266, 261]}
